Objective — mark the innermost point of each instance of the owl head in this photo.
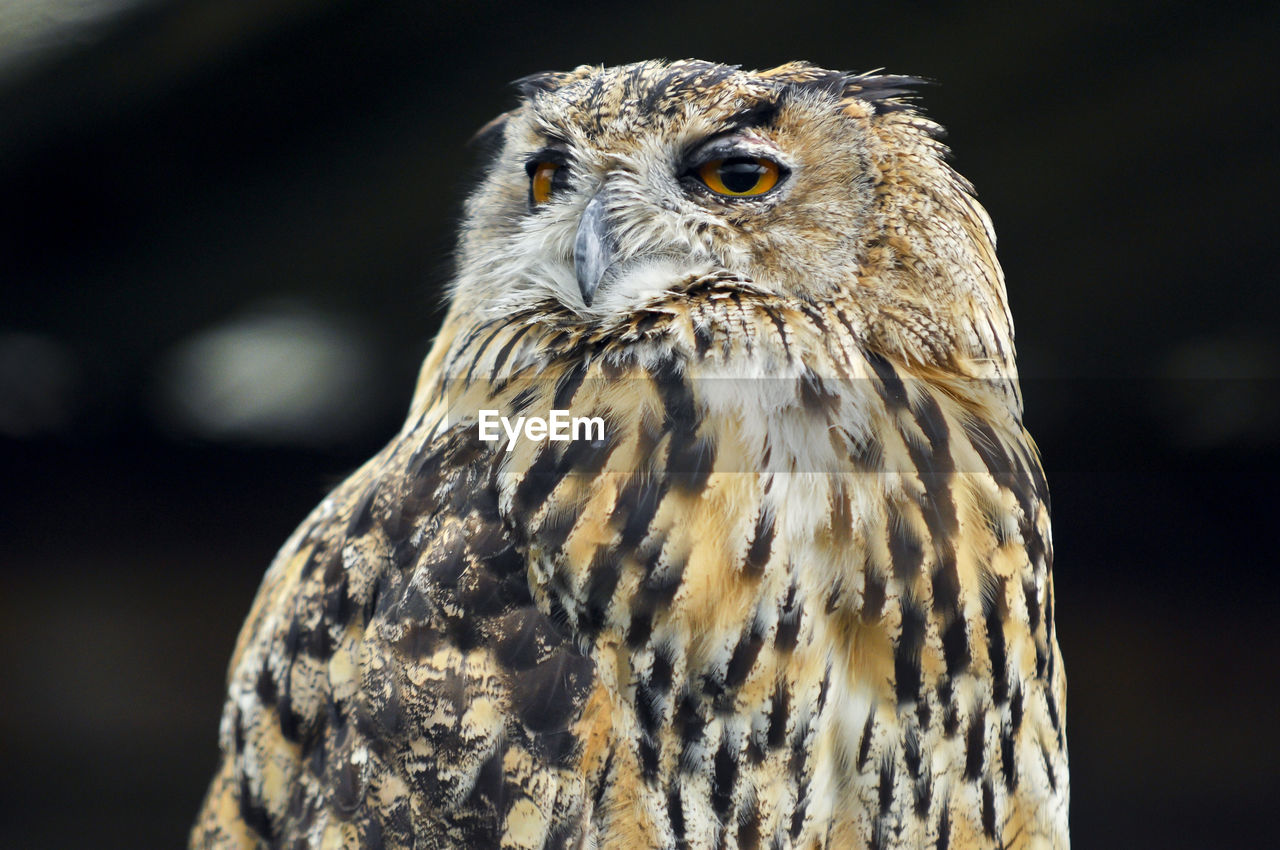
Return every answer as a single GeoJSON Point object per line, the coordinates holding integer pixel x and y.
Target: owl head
{"type": "Point", "coordinates": [614, 188]}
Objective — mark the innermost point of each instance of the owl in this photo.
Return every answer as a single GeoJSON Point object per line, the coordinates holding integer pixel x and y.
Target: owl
{"type": "Point", "coordinates": [713, 522]}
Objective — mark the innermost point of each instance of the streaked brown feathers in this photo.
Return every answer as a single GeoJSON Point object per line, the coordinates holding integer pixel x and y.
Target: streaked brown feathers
{"type": "Point", "coordinates": [799, 594]}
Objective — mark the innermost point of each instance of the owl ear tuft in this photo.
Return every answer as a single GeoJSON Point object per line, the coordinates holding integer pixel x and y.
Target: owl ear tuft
{"type": "Point", "coordinates": [884, 92]}
{"type": "Point", "coordinates": [529, 87]}
{"type": "Point", "coordinates": [491, 133]}
{"type": "Point", "coordinates": [545, 81]}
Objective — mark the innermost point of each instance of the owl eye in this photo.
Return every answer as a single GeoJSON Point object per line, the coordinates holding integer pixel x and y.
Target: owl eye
{"type": "Point", "coordinates": [544, 179]}
{"type": "Point", "coordinates": [740, 176]}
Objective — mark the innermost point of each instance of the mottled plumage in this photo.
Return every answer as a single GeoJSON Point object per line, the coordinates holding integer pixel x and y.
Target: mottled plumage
{"type": "Point", "coordinates": [798, 596]}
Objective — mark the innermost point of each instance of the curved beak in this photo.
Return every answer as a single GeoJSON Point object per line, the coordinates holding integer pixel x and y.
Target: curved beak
{"type": "Point", "coordinates": [593, 247]}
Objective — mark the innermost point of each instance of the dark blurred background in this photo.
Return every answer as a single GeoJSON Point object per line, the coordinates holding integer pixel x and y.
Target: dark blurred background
{"type": "Point", "coordinates": [223, 232]}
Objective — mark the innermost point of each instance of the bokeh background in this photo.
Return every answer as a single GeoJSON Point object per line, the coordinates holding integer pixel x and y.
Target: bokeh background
{"type": "Point", "coordinates": [223, 232]}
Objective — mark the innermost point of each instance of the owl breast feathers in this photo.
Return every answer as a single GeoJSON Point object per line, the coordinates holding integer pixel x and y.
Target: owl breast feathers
{"type": "Point", "coordinates": [713, 523]}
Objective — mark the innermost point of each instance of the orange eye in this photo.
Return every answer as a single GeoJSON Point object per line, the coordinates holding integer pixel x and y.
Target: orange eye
{"type": "Point", "coordinates": [541, 181]}
{"type": "Point", "coordinates": [740, 176]}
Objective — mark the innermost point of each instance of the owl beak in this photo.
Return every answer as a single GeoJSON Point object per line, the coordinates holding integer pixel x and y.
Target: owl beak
{"type": "Point", "coordinates": [593, 247]}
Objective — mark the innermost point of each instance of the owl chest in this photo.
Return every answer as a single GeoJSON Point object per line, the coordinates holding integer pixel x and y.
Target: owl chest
{"type": "Point", "coordinates": [724, 696]}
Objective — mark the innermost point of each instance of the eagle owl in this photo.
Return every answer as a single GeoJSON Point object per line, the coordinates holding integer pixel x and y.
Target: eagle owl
{"type": "Point", "coordinates": [790, 584]}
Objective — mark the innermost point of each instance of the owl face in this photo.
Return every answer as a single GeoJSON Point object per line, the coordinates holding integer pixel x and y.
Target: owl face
{"type": "Point", "coordinates": [615, 188]}
{"type": "Point", "coordinates": [614, 185]}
